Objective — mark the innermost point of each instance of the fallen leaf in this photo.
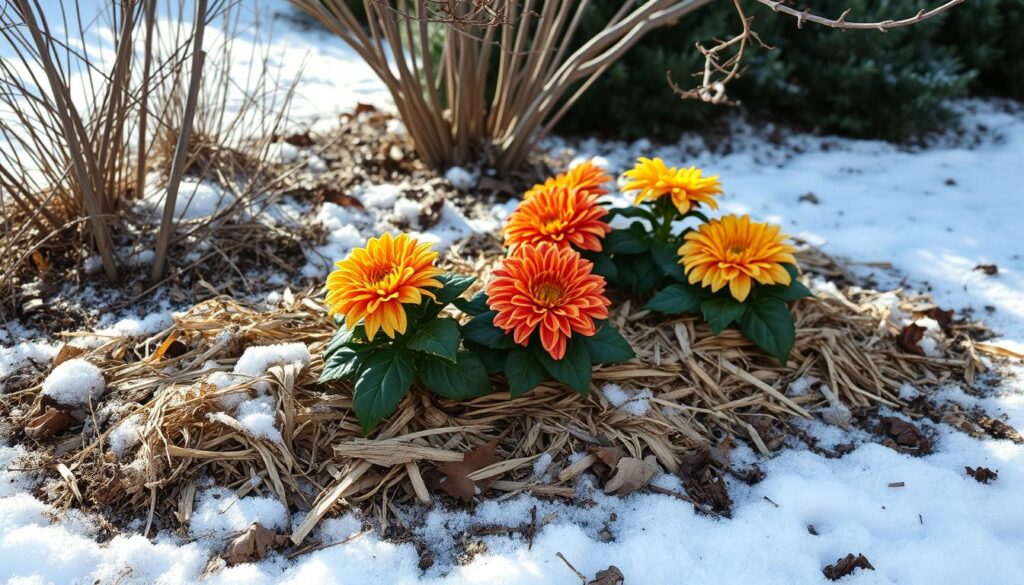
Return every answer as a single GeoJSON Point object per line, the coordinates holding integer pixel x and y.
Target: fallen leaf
{"type": "Point", "coordinates": [943, 318]}
{"type": "Point", "coordinates": [809, 198]}
{"type": "Point", "coordinates": [48, 424]}
{"type": "Point", "coordinates": [430, 213]}
{"type": "Point", "coordinates": [301, 139]}
{"type": "Point", "coordinates": [903, 436]}
{"type": "Point", "coordinates": [362, 108]}
{"type": "Point", "coordinates": [909, 338]}
{"type": "Point", "coordinates": [252, 544]}
{"type": "Point", "coordinates": [982, 474]}
{"type": "Point", "coordinates": [631, 474]}
{"type": "Point", "coordinates": [610, 576]}
{"type": "Point", "coordinates": [338, 198]}
{"type": "Point", "coordinates": [456, 481]}
{"type": "Point", "coordinates": [988, 269]}
{"type": "Point", "coordinates": [66, 353]}
{"type": "Point", "coordinates": [42, 264]}
{"type": "Point", "coordinates": [170, 348]}
{"type": "Point", "coordinates": [997, 429]}
{"type": "Point", "coordinates": [846, 565]}
{"type": "Point", "coordinates": [610, 456]}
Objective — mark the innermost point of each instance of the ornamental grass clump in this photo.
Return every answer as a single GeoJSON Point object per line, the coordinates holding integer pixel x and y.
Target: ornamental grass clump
{"type": "Point", "coordinates": [388, 299]}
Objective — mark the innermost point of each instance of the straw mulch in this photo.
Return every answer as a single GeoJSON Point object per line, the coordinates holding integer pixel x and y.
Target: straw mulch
{"type": "Point", "coordinates": [706, 388]}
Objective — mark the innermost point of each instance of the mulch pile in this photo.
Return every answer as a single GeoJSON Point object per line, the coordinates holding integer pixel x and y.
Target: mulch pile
{"type": "Point", "coordinates": [707, 391]}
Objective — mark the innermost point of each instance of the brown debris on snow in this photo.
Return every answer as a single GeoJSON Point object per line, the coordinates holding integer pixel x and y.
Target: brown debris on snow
{"type": "Point", "coordinates": [982, 474]}
{"type": "Point", "coordinates": [903, 436]}
{"type": "Point", "coordinates": [846, 566]}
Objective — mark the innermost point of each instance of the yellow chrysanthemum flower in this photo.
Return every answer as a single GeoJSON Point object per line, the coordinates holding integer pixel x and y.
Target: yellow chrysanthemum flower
{"type": "Point", "coordinates": [374, 283]}
{"type": "Point", "coordinates": [736, 251]}
{"type": "Point", "coordinates": [687, 187]}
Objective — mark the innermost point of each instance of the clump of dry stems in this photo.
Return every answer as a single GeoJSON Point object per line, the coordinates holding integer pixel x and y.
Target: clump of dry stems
{"type": "Point", "coordinates": [87, 122]}
{"type": "Point", "coordinates": [509, 70]}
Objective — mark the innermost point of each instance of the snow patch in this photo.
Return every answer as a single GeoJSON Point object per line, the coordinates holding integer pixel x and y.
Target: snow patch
{"type": "Point", "coordinates": [75, 382]}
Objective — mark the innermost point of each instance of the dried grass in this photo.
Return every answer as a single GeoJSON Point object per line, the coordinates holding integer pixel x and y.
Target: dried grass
{"type": "Point", "coordinates": [706, 388]}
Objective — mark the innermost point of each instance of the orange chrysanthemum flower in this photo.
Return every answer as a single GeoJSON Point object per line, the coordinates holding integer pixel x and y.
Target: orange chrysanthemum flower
{"type": "Point", "coordinates": [560, 215]}
{"type": "Point", "coordinates": [687, 187]}
{"type": "Point", "coordinates": [374, 282]}
{"type": "Point", "coordinates": [549, 288]}
{"type": "Point", "coordinates": [586, 177]}
{"type": "Point", "coordinates": [736, 251]}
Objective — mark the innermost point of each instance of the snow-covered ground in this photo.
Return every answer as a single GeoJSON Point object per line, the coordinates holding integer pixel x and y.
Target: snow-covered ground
{"type": "Point", "coordinates": [933, 214]}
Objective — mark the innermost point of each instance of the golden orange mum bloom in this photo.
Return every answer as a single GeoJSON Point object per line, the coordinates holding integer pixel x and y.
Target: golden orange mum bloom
{"type": "Point", "coordinates": [586, 177]}
{"type": "Point", "coordinates": [736, 251]}
{"type": "Point", "coordinates": [549, 288]}
{"type": "Point", "coordinates": [687, 187]}
{"type": "Point", "coordinates": [561, 215]}
{"type": "Point", "coordinates": [374, 282]}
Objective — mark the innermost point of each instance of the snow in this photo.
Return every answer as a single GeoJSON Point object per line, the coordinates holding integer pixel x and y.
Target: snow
{"type": "Point", "coordinates": [14, 356]}
{"type": "Point", "coordinates": [635, 403]}
{"type": "Point", "coordinates": [876, 203]}
{"type": "Point", "coordinates": [461, 179]}
{"type": "Point", "coordinates": [125, 435]}
{"type": "Point", "coordinates": [75, 382]}
{"type": "Point", "coordinates": [196, 199]}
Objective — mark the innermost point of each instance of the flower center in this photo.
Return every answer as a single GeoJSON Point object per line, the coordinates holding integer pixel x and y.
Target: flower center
{"type": "Point", "coordinates": [552, 226]}
{"type": "Point", "coordinates": [548, 293]}
{"type": "Point", "coordinates": [384, 279]}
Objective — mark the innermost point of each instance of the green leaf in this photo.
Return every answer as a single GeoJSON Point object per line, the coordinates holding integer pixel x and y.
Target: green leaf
{"type": "Point", "coordinates": [634, 240]}
{"type": "Point", "coordinates": [608, 346]}
{"type": "Point", "coordinates": [793, 291]}
{"type": "Point", "coordinates": [666, 257]}
{"type": "Point", "coordinates": [385, 379]}
{"type": "Point", "coordinates": [720, 312]}
{"type": "Point", "coordinates": [677, 299]}
{"type": "Point", "coordinates": [483, 331]}
{"type": "Point", "coordinates": [454, 286]}
{"type": "Point", "coordinates": [573, 369]}
{"type": "Point", "coordinates": [474, 306]}
{"type": "Point", "coordinates": [646, 275]}
{"type": "Point", "coordinates": [341, 364]}
{"type": "Point", "coordinates": [343, 337]}
{"type": "Point", "coordinates": [768, 323]}
{"type": "Point", "coordinates": [464, 378]}
{"type": "Point", "coordinates": [523, 371]}
{"type": "Point", "coordinates": [493, 359]}
{"type": "Point", "coordinates": [438, 337]}
{"type": "Point", "coordinates": [603, 265]}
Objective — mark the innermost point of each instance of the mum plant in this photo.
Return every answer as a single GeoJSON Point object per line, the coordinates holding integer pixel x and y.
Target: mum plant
{"type": "Point", "coordinates": [387, 299]}
{"type": "Point", "coordinates": [642, 256]}
{"type": "Point", "coordinates": [738, 272]}
{"type": "Point", "coordinates": [544, 316]}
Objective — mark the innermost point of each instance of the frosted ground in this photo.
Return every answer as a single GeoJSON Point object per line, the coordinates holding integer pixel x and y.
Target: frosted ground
{"type": "Point", "coordinates": [933, 214]}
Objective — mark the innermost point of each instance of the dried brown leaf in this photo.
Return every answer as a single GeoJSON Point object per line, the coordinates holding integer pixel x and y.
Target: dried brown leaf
{"type": "Point", "coordinates": [909, 338]}
{"type": "Point", "coordinates": [982, 474]}
{"type": "Point", "coordinates": [989, 269]}
{"type": "Point", "coordinates": [631, 474]}
{"type": "Point", "coordinates": [846, 565]}
{"type": "Point", "coordinates": [903, 436]}
{"type": "Point", "coordinates": [610, 456]}
{"type": "Point", "coordinates": [338, 198]}
{"type": "Point", "coordinates": [48, 424]}
{"type": "Point", "coordinates": [456, 481]}
{"type": "Point", "coordinates": [943, 317]}
{"type": "Point", "coordinates": [252, 544]}
{"type": "Point", "coordinates": [997, 429]}
{"type": "Point", "coordinates": [610, 576]}
{"type": "Point", "coordinates": [66, 353]}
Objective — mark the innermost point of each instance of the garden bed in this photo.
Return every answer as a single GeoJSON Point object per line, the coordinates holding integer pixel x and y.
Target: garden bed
{"type": "Point", "coordinates": [162, 424]}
